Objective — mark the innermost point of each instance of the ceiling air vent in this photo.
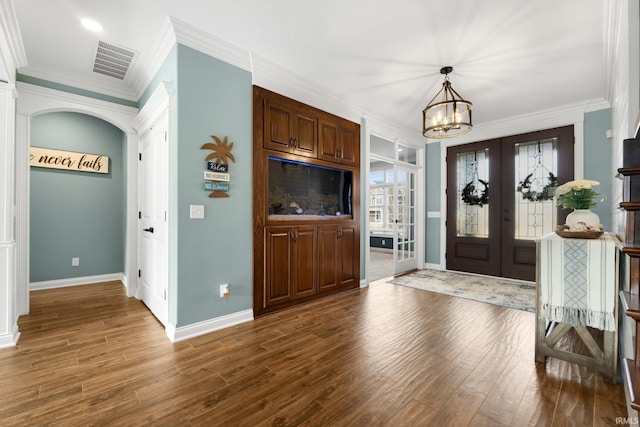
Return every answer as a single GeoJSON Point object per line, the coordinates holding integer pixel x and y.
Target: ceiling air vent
{"type": "Point", "coordinates": [112, 60]}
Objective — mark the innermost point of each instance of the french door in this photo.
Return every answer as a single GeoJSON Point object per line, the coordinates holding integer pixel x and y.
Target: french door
{"type": "Point", "coordinates": [500, 199]}
{"type": "Point", "coordinates": [404, 249]}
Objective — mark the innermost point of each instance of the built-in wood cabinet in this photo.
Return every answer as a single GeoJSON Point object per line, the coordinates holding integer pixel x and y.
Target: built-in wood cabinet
{"type": "Point", "coordinates": [307, 245]}
{"type": "Point", "coordinates": [290, 128]}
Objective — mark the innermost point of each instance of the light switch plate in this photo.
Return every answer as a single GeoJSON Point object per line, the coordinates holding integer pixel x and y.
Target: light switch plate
{"type": "Point", "coordinates": [196, 212]}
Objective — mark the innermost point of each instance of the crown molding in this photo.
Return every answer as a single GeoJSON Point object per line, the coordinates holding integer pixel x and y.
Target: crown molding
{"type": "Point", "coordinates": [114, 90]}
{"type": "Point", "coordinates": [211, 45]}
{"type": "Point", "coordinates": [166, 42]}
{"type": "Point", "coordinates": [12, 36]}
{"type": "Point", "coordinates": [530, 122]}
{"type": "Point", "coordinates": [272, 76]}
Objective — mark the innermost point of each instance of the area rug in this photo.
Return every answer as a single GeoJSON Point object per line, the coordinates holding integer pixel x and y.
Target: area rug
{"type": "Point", "coordinates": [509, 293]}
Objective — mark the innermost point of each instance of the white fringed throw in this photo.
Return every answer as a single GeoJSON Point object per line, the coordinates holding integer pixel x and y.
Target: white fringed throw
{"type": "Point", "coordinates": [578, 280]}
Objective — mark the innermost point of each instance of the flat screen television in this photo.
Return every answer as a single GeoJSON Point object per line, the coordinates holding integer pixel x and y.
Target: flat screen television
{"type": "Point", "coordinates": [302, 189]}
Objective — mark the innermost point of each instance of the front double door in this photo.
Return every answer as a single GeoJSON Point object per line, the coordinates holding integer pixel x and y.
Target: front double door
{"type": "Point", "coordinates": [499, 200]}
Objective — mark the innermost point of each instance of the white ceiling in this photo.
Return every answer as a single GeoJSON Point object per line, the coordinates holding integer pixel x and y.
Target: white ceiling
{"type": "Point", "coordinates": [510, 57]}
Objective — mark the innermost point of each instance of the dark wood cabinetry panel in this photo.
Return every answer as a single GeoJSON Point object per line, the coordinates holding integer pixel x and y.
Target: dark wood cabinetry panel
{"type": "Point", "coordinates": [337, 268]}
{"type": "Point", "coordinates": [303, 262]}
{"type": "Point", "coordinates": [299, 258]}
{"type": "Point", "coordinates": [337, 142]}
{"type": "Point", "coordinates": [290, 268]}
{"type": "Point", "coordinates": [290, 128]}
{"type": "Point", "coordinates": [278, 248]}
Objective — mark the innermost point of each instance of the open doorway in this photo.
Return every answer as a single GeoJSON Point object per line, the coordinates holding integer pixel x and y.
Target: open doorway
{"type": "Point", "coordinates": [393, 213]}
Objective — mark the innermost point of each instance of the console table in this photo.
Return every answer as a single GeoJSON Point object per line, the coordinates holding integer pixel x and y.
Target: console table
{"type": "Point", "coordinates": [577, 288]}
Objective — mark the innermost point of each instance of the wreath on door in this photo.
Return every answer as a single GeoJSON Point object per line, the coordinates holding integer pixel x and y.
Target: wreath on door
{"type": "Point", "coordinates": [546, 193]}
{"type": "Point", "coordinates": [473, 196]}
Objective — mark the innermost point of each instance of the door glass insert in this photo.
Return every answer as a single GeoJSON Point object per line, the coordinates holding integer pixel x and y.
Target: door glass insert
{"type": "Point", "coordinates": [405, 216]}
{"type": "Point", "coordinates": [536, 171]}
{"type": "Point", "coordinates": [472, 188]}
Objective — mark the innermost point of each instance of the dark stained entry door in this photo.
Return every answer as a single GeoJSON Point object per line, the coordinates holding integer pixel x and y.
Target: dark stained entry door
{"type": "Point", "coordinates": [499, 200]}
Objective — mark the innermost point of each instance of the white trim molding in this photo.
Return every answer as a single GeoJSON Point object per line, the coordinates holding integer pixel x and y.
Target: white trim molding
{"type": "Point", "coordinates": [33, 101]}
{"type": "Point", "coordinates": [76, 281]}
{"type": "Point", "coordinates": [8, 305]}
{"type": "Point", "coordinates": [201, 328]}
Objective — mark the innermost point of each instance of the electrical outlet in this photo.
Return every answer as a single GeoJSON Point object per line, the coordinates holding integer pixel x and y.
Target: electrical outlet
{"type": "Point", "coordinates": [75, 262]}
{"type": "Point", "coordinates": [224, 290]}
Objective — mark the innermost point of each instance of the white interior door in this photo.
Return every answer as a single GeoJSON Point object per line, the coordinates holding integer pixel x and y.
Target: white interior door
{"type": "Point", "coordinates": [153, 225]}
{"type": "Point", "coordinates": [404, 197]}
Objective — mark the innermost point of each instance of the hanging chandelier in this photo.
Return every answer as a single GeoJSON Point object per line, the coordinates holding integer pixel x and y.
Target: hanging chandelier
{"type": "Point", "coordinates": [447, 114]}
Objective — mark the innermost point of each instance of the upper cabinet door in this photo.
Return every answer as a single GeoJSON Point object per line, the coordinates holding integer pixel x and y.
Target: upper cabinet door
{"type": "Point", "coordinates": [305, 134]}
{"type": "Point", "coordinates": [290, 130]}
{"type": "Point", "coordinates": [338, 142]}
{"type": "Point", "coordinates": [278, 123]}
{"type": "Point", "coordinates": [349, 141]}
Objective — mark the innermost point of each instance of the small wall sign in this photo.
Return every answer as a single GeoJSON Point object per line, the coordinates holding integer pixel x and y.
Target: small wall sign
{"type": "Point", "coordinates": [68, 160]}
{"type": "Point", "coordinates": [216, 186]}
{"type": "Point", "coordinates": [217, 175]}
{"type": "Point", "coordinates": [217, 167]}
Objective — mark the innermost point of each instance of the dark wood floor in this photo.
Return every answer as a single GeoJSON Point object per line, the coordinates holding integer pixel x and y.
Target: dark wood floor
{"type": "Point", "coordinates": [386, 355]}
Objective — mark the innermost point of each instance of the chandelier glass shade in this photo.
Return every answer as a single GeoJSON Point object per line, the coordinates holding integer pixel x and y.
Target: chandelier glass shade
{"type": "Point", "coordinates": [447, 114]}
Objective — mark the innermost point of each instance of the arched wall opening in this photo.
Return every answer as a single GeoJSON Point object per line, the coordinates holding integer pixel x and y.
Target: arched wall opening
{"type": "Point", "coordinates": [34, 101]}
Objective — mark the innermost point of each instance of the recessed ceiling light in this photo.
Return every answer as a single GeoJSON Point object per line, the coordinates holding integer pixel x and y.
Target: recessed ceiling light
{"type": "Point", "coordinates": [91, 25]}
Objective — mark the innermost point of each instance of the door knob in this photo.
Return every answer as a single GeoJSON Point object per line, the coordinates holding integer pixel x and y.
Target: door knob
{"type": "Point", "coordinates": [150, 229]}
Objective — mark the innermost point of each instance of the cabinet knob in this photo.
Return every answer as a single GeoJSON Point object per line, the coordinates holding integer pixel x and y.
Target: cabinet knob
{"type": "Point", "coordinates": [295, 142]}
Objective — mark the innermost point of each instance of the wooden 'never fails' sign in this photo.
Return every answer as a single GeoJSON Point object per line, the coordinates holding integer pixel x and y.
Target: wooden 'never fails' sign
{"type": "Point", "coordinates": [68, 160]}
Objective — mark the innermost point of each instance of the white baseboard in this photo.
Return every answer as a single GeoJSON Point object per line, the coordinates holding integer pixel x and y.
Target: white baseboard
{"type": "Point", "coordinates": [10, 340]}
{"type": "Point", "coordinates": [364, 283]}
{"type": "Point", "coordinates": [75, 281]}
{"type": "Point", "coordinates": [206, 326]}
{"type": "Point", "coordinates": [433, 266]}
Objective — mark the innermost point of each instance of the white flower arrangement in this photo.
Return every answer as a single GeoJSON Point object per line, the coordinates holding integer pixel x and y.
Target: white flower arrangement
{"type": "Point", "coordinates": [578, 194]}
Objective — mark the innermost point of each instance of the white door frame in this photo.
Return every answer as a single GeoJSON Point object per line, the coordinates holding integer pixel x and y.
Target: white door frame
{"type": "Point", "coordinates": [158, 104]}
{"type": "Point", "coordinates": [408, 140]}
{"type": "Point", "coordinates": [413, 170]}
{"type": "Point", "coordinates": [36, 100]}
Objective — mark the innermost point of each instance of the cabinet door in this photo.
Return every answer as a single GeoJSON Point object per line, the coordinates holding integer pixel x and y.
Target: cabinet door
{"type": "Point", "coordinates": [348, 141]}
{"type": "Point", "coordinates": [277, 283]}
{"type": "Point", "coordinates": [338, 257]}
{"type": "Point", "coordinates": [303, 265]}
{"type": "Point", "coordinates": [305, 134]}
{"type": "Point", "coordinates": [328, 258]}
{"type": "Point", "coordinates": [349, 257]}
{"type": "Point", "coordinates": [328, 140]}
{"type": "Point", "coordinates": [338, 142]}
{"type": "Point", "coordinates": [278, 124]}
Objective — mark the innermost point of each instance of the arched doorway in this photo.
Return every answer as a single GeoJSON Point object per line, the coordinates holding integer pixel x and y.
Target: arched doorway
{"type": "Point", "coordinates": [34, 101]}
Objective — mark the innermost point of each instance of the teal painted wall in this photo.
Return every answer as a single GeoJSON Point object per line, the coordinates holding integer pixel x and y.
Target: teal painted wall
{"type": "Point", "coordinates": [434, 192]}
{"type": "Point", "coordinates": [598, 162]}
{"type": "Point", "coordinates": [77, 214]}
{"type": "Point", "coordinates": [214, 98]}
